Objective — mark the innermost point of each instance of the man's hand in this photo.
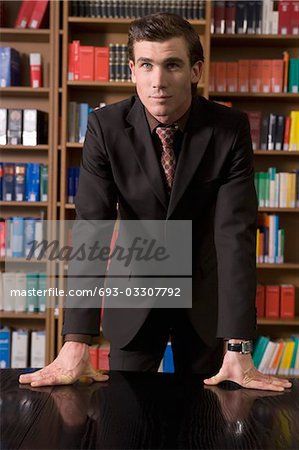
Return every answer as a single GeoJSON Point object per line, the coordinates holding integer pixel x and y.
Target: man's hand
{"type": "Point", "coordinates": [240, 369]}
{"type": "Point", "coordinates": [72, 363]}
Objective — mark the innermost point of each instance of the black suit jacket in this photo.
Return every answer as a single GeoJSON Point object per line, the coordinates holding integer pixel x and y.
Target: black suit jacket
{"type": "Point", "coordinates": [213, 187]}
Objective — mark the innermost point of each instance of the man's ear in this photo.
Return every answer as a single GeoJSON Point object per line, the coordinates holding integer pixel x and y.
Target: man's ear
{"type": "Point", "coordinates": [197, 69]}
{"type": "Point", "coordinates": [132, 68]}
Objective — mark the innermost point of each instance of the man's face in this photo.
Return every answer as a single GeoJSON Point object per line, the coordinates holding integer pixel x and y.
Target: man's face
{"type": "Point", "coordinates": [163, 77]}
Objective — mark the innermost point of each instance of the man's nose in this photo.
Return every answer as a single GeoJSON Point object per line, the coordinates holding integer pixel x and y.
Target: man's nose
{"type": "Point", "coordinates": [159, 78]}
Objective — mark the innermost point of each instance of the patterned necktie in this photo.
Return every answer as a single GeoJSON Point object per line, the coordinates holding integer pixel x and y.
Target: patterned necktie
{"type": "Point", "coordinates": [168, 159]}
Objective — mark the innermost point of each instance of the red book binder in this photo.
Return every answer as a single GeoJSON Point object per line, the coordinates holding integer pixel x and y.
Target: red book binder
{"type": "Point", "coordinates": [272, 301]}
{"type": "Point", "coordinates": [295, 17]}
{"type": "Point", "coordinates": [38, 13]}
{"type": "Point", "coordinates": [287, 301]}
{"type": "Point", "coordinates": [284, 17]}
{"type": "Point", "coordinates": [86, 63]}
{"type": "Point", "coordinates": [104, 358]}
{"type": "Point", "coordinates": [94, 356]}
{"type": "Point", "coordinates": [260, 301]}
{"type": "Point", "coordinates": [24, 13]}
{"type": "Point", "coordinates": [101, 63]}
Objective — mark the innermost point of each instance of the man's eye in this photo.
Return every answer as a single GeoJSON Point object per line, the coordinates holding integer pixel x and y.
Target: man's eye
{"type": "Point", "coordinates": [146, 65]}
{"type": "Point", "coordinates": [172, 66]}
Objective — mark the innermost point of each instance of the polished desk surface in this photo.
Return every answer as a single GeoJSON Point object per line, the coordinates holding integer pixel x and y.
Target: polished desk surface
{"type": "Point", "coordinates": [146, 411]}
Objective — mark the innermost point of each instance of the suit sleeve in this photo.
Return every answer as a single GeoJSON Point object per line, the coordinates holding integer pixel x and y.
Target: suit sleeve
{"type": "Point", "coordinates": [235, 240]}
{"type": "Point", "coordinates": [96, 213]}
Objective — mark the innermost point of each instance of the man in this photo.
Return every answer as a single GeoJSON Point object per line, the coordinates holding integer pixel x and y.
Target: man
{"type": "Point", "coordinates": [205, 175]}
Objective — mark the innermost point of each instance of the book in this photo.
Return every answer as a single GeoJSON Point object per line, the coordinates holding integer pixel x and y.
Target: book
{"type": "Point", "coordinates": [260, 301]}
{"type": "Point", "coordinates": [259, 349]}
{"type": "Point", "coordinates": [294, 75]}
{"type": "Point", "coordinates": [8, 182]}
{"type": "Point", "coordinates": [38, 14]}
{"type": "Point", "coordinates": [5, 346]}
{"type": "Point", "coordinates": [20, 286]}
{"type": "Point", "coordinates": [168, 364]}
{"type": "Point", "coordinates": [35, 127]}
{"type": "Point", "coordinates": [38, 349]}
{"type": "Point", "coordinates": [287, 301]}
{"type": "Point", "coordinates": [33, 182]}
{"type": "Point", "coordinates": [10, 67]}
{"type": "Point", "coordinates": [35, 70]}
{"type": "Point", "coordinates": [3, 126]}
{"type": "Point", "coordinates": [20, 182]}
{"type": "Point", "coordinates": [19, 349]}
{"type": "Point", "coordinates": [272, 301]}
{"type": "Point", "coordinates": [14, 126]}
{"type": "Point", "coordinates": [24, 13]}
{"type": "Point", "coordinates": [101, 63]}
{"type": "Point", "coordinates": [103, 357]}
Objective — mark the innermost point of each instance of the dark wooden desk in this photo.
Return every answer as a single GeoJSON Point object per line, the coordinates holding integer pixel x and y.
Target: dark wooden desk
{"type": "Point", "coordinates": [142, 411]}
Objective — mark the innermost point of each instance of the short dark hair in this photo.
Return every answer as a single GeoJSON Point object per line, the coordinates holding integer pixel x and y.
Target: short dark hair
{"type": "Point", "coordinates": [160, 27]}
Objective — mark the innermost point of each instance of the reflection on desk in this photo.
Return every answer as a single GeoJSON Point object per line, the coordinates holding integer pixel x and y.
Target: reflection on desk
{"type": "Point", "coordinates": [146, 411]}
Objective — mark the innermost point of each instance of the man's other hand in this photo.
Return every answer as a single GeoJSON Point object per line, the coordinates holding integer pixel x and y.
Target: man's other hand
{"type": "Point", "coordinates": [240, 369]}
{"type": "Point", "coordinates": [72, 363]}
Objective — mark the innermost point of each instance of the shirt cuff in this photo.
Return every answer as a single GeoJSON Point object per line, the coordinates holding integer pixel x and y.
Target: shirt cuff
{"type": "Point", "coordinates": [83, 338]}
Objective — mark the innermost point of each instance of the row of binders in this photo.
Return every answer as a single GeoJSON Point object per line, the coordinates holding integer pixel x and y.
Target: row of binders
{"type": "Point", "coordinates": [77, 120]}
{"type": "Point", "coordinates": [22, 348]}
{"type": "Point", "coordinates": [11, 68]}
{"type": "Point", "coordinates": [275, 301]}
{"type": "Point", "coordinates": [129, 9]}
{"type": "Point", "coordinates": [255, 17]}
{"type": "Point", "coordinates": [269, 240]}
{"type": "Point", "coordinates": [23, 127]}
{"type": "Point", "coordinates": [280, 357]}
{"type": "Point", "coordinates": [23, 292]}
{"type": "Point", "coordinates": [255, 75]}
{"type": "Point", "coordinates": [72, 183]}
{"type": "Point", "coordinates": [89, 63]}
{"type": "Point", "coordinates": [17, 235]}
{"type": "Point", "coordinates": [274, 131]}
{"type": "Point", "coordinates": [277, 190]}
{"type": "Point", "coordinates": [23, 182]}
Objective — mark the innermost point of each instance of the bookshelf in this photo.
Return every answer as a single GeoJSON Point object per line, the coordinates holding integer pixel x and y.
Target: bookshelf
{"type": "Point", "coordinates": [60, 154]}
{"type": "Point", "coordinates": [45, 99]}
{"type": "Point", "coordinates": [225, 47]}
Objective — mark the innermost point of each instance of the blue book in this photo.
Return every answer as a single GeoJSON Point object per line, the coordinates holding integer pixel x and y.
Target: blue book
{"type": "Point", "coordinates": [71, 184]}
{"type": "Point", "coordinates": [276, 238]}
{"type": "Point", "coordinates": [83, 118]}
{"type": "Point", "coordinates": [5, 346]}
{"type": "Point", "coordinates": [19, 185]}
{"type": "Point", "coordinates": [8, 182]}
{"type": "Point", "coordinates": [17, 243]}
{"type": "Point", "coordinates": [77, 173]}
{"type": "Point", "coordinates": [33, 182]}
{"type": "Point", "coordinates": [29, 234]}
{"type": "Point", "coordinates": [10, 65]}
{"type": "Point", "coordinates": [168, 365]}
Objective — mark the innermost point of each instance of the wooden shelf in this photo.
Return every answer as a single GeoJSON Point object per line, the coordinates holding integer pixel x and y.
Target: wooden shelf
{"type": "Point", "coordinates": [24, 91]}
{"type": "Point", "coordinates": [254, 39]}
{"type": "Point", "coordinates": [276, 153]}
{"type": "Point", "coordinates": [25, 35]}
{"type": "Point", "coordinates": [278, 210]}
{"type": "Point", "coordinates": [279, 322]}
{"type": "Point", "coordinates": [286, 266]}
{"type": "Point", "coordinates": [108, 85]}
{"type": "Point", "coordinates": [31, 204]}
{"type": "Point", "coordinates": [25, 147]}
{"type": "Point", "coordinates": [74, 145]}
{"type": "Point", "coordinates": [21, 315]}
{"type": "Point", "coordinates": [22, 260]}
{"type": "Point", "coordinates": [252, 96]}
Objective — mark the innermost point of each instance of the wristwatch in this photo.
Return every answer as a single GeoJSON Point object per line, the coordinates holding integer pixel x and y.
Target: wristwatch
{"type": "Point", "coordinates": [244, 347]}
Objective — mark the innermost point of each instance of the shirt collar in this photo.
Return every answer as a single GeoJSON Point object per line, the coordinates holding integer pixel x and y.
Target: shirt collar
{"type": "Point", "coordinates": [154, 123]}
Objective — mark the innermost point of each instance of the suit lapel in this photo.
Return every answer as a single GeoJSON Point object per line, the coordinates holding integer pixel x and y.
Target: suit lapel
{"type": "Point", "coordinates": [196, 140]}
{"type": "Point", "coordinates": [139, 135]}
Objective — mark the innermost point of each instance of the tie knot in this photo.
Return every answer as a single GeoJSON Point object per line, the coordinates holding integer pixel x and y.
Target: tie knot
{"type": "Point", "coordinates": [166, 135]}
